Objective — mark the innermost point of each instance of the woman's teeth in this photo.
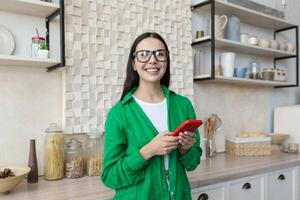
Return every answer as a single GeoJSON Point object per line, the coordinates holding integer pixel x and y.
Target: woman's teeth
{"type": "Point", "coordinates": [152, 70]}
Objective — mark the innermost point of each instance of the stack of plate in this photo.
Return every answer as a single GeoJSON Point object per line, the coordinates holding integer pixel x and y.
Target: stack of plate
{"type": "Point", "coordinates": [7, 42]}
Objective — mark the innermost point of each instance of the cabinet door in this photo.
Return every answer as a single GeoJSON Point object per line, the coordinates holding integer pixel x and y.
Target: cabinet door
{"type": "Point", "coordinates": [281, 185]}
{"type": "Point", "coordinates": [213, 192]}
{"type": "Point", "coordinates": [246, 189]}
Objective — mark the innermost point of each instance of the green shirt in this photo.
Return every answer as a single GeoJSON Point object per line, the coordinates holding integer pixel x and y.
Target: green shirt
{"type": "Point", "coordinates": [127, 130]}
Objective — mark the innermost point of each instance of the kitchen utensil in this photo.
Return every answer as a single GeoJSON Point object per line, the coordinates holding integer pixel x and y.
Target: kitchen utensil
{"type": "Point", "coordinates": [9, 183]}
{"type": "Point", "coordinates": [233, 28]}
{"type": "Point", "coordinates": [227, 63]}
{"type": "Point", "coordinates": [7, 42]}
{"type": "Point", "coordinates": [220, 23]}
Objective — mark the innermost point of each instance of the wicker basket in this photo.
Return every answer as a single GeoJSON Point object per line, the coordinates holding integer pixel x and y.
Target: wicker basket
{"type": "Point", "coordinates": [248, 146]}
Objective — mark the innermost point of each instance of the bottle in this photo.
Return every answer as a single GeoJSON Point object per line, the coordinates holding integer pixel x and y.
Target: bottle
{"type": "Point", "coordinates": [35, 45]}
{"type": "Point", "coordinates": [94, 154]}
{"type": "Point", "coordinates": [32, 163]}
{"type": "Point", "coordinates": [54, 153]}
{"type": "Point", "coordinates": [74, 159]}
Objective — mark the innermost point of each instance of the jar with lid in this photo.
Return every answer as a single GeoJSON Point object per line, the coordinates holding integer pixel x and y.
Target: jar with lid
{"type": "Point", "coordinates": [35, 45]}
{"type": "Point", "coordinates": [74, 159]}
{"type": "Point", "coordinates": [94, 154]}
{"type": "Point", "coordinates": [54, 153]}
{"type": "Point", "coordinates": [254, 70]}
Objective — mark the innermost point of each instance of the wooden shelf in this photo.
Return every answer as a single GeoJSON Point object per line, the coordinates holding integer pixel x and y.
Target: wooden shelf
{"type": "Point", "coordinates": [246, 15]}
{"type": "Point", "coordinates": [29, 7]}
{"type": "Point", "coordinates": [230, 45]}
{"type": "Point", "coordinates": [7, 60]}
{"type": "Point", "coordinates": [246, 81]}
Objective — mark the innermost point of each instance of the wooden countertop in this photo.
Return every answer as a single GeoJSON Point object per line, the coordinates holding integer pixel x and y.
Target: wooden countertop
{"type": "Point", "coordinates": [221, 168]}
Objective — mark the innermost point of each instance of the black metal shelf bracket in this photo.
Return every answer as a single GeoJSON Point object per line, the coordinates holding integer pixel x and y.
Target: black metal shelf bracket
{"type": "Point", "coordinates": [289, 57]}
{"type": "Point", "coordinates": [61, 13]}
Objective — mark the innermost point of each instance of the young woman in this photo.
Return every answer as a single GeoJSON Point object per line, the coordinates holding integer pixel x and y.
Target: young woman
{"type": "Point", "coordinates": [141, 160]}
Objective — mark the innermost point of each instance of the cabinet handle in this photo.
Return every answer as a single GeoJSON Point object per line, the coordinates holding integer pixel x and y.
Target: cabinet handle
{"type": "Point", "coordinates": [203, 196]}
{"type": "Point", "coordinates": [281, 177]}
{"type": "Point", "coordinates": [247, 186]}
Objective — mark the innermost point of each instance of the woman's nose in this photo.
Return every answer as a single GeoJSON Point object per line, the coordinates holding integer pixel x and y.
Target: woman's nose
{"type": "Point", "coordinates": [152, 59]}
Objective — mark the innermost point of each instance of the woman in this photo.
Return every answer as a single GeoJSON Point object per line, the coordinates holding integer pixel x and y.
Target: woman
{"type": "Point", "coordinates": [141, 160]}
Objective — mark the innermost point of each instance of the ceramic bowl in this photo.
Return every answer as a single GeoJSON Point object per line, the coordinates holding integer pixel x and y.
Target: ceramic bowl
{"type": "Point", "coordinates": [9, 183]}
{"type": "Point", "coordinates": [278, 138]}
{"type": "Point", "coordinates": [274, 44]}
{"type": "Point", "coordinates": [290, 47]}
{"type": "Point", "coordinates": [264, 43]}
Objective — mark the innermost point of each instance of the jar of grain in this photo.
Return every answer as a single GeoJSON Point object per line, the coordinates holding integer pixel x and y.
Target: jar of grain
{"type": "Point", "coordinates": [94, 154]}
{"type": "Point", "coordinates": [74, 159]}
{"type": "Point", "coordinates": [54, 153]}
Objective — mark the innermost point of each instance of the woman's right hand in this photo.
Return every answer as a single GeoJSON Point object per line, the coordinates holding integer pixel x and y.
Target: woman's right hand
{"type": "Point", "coordinates": [162, 144]}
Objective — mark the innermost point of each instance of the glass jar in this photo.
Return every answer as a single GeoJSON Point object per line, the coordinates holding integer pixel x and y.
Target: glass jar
{"type": "Point", "coordinates": [35, 45]}
{"type": "Point", "coordinates": [94, 154]}
{"type": "Point", "coordinates": [74, 159]}
{"type": "Point", "coordinates": [254, 70]}
{"type": "Point", "coordinates": [54, 153]}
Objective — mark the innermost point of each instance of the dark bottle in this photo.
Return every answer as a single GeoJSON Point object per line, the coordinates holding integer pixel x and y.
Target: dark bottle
{"type": "Point", "coordinates": [32, 163]}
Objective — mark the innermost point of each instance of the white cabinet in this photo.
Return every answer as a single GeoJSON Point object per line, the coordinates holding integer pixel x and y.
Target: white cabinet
{"type": "Point", "coordinates": [281, 185]}
{"type": "Point", "coordinates": [213, 192]}
{"type": "Point", "coordinates": [275, 185]}
{"type": "Point", "coordinates": [249, 188]}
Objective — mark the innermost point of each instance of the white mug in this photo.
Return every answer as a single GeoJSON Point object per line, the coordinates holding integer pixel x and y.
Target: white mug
{"type": "Point", "coordinates": [227, 63]}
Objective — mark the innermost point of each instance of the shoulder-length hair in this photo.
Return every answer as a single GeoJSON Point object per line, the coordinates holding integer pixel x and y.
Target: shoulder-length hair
{"type": "Point", "coordinates": [132, 77]}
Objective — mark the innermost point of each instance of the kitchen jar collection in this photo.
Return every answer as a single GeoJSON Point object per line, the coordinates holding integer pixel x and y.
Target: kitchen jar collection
{"type": "Point", "coordinates": [72, 159]}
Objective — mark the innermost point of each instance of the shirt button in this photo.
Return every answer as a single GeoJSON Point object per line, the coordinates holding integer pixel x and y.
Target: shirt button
{"type": "Point", "coordinates": [172, 193]}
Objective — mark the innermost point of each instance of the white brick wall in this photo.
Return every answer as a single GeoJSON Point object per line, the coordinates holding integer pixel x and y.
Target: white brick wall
{"type": "Point", "coordinates": [99, 34]}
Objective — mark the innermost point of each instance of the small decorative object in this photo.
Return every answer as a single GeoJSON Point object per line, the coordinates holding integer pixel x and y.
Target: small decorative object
{"type": "Point", "coordinates": [43, 51]}
{"type": "Point", "coordinates": [290, 47]}
{"type": "Point", "coordinates": [220, 23]}
{"type": "Point", "coordinates": [240, 72]}
{"type": "Point", "coordinates": [233, 28]}
{"type": "Point", "coordinates": [244, 38]}
{"type": "Point", "coordinates": [252, 40]}
{"type": "Point", "coordinates": [32, 163]}
{"type": "Point", "coordinates": [264, 43]}
{"type": "Point", "coordinates": [274, 44]}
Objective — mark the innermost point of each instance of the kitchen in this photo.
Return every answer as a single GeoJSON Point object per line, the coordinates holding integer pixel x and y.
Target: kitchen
{"type": "Point", "coordinates": [79, 96]}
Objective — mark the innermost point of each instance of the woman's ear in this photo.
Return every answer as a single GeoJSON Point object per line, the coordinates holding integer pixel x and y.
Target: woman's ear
{"type": "Point", "coordinates": [133, 66]}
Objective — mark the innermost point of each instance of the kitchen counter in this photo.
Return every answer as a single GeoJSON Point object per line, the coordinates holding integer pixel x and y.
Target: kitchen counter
{"type": "Point", "coordinates": [221, 168]}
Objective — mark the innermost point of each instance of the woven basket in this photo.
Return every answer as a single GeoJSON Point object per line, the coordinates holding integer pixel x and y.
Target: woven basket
{"type": "Point", "coordinates": [261, 148]}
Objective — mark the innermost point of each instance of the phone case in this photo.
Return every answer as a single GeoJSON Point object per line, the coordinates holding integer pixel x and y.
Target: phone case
{"type": "Point", "coordinates": [188, 125]}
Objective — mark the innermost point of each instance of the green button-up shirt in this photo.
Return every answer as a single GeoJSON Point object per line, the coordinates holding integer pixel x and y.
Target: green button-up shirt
{"type": "Point", "coordinates": [127, 130]}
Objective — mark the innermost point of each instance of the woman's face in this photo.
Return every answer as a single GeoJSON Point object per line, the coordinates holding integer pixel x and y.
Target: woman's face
{"type": "Point", "coordinates": [150, 60]}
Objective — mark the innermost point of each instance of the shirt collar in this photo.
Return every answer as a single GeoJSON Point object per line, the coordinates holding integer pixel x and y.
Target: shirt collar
{"type": "Point", "coordinates": [128, 96]}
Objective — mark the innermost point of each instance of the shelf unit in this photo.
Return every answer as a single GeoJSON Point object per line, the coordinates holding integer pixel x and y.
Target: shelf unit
{"type": "Point", "coordinates": [38, 9]}
{"type": "Point", "coordinates": [249, 17]}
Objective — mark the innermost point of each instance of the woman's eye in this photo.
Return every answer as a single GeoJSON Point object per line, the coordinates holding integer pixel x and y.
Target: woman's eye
{"type": "Point", "coordinates": [144, 53]}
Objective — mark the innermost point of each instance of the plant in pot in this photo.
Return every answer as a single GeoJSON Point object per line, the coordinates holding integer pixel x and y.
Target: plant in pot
{"type": "Point", "coordinates": [43, 51]}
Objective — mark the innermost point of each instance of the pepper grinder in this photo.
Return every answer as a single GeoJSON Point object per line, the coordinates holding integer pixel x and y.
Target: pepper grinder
{"type": "Point", "coordinates": [32, 163]}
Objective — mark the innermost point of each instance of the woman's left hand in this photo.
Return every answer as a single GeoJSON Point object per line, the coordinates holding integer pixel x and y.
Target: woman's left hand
{"type": "Point", "coordinates": [186, 141]}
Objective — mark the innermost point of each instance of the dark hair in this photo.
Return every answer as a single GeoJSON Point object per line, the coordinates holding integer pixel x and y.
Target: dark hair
{"type": "Point", "coordinates": [132, 77]}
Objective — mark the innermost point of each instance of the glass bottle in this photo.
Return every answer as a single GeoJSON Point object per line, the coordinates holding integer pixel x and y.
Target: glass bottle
{"type": "Point", "coordinates": [32, 163]}
{"type": "Point", "coordinates": [94, 154]}
{"type": "Point", "coordinates": [74, 159]}
{"type": "Point", "coordinates": [54, 153]}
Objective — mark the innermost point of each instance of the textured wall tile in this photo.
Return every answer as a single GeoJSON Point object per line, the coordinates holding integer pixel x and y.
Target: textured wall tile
{"type": "Point", "coordinates": [99, 34]}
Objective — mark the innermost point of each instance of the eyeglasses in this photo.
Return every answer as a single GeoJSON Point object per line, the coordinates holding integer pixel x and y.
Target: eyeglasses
{"type": "Point", "coordinates": [144, 56]}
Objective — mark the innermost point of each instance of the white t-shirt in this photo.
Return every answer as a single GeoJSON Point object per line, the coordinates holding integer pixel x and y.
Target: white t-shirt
{"type": "Point", "coordinates": [158, 115]}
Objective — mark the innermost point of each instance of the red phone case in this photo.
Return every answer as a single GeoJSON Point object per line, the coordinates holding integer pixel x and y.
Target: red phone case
{"type": "Point", "coordinates": [188, 125]}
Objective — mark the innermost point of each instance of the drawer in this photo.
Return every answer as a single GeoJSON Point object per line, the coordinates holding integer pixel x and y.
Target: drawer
{"type": "Point", "coordinates": [213, 192]}
{"type": "Point", "coordinates": [246, 189]}
{"type": "Point", "coordinates": [281, 185]}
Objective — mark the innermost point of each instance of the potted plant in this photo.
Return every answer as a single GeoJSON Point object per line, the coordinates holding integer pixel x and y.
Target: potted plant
{"type": "Point", "coordinates": [43, 51]}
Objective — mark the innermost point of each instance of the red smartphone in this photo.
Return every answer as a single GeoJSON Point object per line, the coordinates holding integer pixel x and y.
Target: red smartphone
{"type": "Point", "coordinates": [188, 125]}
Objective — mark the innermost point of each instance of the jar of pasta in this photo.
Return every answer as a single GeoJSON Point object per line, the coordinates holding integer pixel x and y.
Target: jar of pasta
{"type": "Point", "coordinates": [94, 154]}
{"type": "Point", "coordinates": [54, 153]}
{"type": "Point", "coordinates": [74, 159]}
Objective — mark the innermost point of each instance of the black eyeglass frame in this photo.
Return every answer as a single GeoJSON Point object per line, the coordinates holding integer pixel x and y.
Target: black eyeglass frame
{"type": "Point", "coordinates": [151, 53]}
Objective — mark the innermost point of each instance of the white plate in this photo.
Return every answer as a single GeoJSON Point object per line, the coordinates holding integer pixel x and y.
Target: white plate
{"type": "Point", "coordinates": [7, 42]}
